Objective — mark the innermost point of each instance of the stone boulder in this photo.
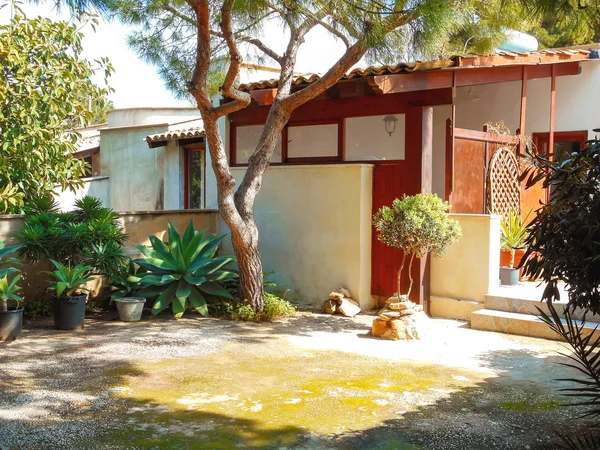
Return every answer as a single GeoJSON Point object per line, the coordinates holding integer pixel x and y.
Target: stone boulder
{"type": "Point", "coordinates": [348, 308]}
{"type": "Point", "coordinates": [329, 306]}
{"type": "Point", "coordinates": [403, 328]}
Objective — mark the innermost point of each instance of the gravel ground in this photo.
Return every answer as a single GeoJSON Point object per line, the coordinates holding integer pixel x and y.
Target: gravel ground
{"type": "Point", "coordinates": [313, 382]}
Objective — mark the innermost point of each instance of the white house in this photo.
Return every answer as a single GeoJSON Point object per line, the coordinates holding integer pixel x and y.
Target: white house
{"type": "Point", "coordinates": [379, 133]}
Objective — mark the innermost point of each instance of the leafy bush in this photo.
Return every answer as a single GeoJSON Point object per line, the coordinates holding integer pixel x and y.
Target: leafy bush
{"type": "Point", "coordinates": [564, 244]}
{"type": "Point", "coordinates": [184, 270]}
{"type": "Point", "coordinates": [36, 308]}
{"type": "Point", "coordinates": [46, 90]}
{"type": "Point", "coordinates": [88, 235]}
{"type": "Point", "coordinates": [417, 225]}
{"type": "Point", "coordinates": [564, 237]}
{"type": "Point", "coordinates": [275, 308]}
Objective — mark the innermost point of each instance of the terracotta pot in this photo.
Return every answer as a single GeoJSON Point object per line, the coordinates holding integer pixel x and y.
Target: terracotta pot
{"type": "Point", "coordinates": [505, 259]}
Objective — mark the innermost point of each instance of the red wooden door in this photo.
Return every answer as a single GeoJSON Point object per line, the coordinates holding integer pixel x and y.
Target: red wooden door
{"type": "Point", "coordinates": [390, 181]}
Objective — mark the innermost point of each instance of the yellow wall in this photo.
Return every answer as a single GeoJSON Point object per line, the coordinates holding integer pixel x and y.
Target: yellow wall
{"type": "Point", "coordinates": [315, 229]}
{"type": "Point", "coordinates": [470, 267]}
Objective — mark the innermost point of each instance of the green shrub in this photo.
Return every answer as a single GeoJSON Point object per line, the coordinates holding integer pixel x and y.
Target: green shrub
{"type": "Point", "coordinates": [417, 225]}
{"type": "Point", "coordinates": [242, 312]}
{"type": "Point", "coordinates": [88, 235]}
{"type": "Point", "coordinates": [275, 308]}
{"type": "Point", "coordinates": [36, 308]}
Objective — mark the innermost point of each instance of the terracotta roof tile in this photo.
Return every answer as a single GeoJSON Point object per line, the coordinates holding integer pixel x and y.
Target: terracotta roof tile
{"type": "Point", "coordinates": [499, 58]}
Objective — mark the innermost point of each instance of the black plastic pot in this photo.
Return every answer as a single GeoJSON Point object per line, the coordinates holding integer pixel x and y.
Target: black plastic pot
{"type": "Point", "coordinates": [69, 312]}
{"type": "Point", "coordinates": [11, 324]}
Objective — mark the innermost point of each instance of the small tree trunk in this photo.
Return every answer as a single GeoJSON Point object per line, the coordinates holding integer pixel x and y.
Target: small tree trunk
{"type": "Point", "coordinates": [400, 270]}
{"type": "Point", "coordinates": [512, 258]}
{"type": "Point", "coordinates": [4, 305]}
{"type": "Point", "coordinates": [245, 245]}
{"type": "Point", "coordinates": [410, 277]}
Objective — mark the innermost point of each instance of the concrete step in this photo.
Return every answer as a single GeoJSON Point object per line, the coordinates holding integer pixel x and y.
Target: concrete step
{"type": "Point", "coordinates": [522, 305]}
{"type": "Point", "coordinates": [520, 324]}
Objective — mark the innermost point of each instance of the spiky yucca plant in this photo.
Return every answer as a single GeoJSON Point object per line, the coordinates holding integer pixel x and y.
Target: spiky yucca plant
{"type": "Point", "coordinates": [184, 270]}
{"type": "Point", "coordinates": [585, 358]}
{"type": "Point", "coordinates": [513, 232]}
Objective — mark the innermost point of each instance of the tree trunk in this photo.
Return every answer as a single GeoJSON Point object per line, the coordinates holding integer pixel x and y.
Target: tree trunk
{"type": "Point", "coordinates": [4, 305]}
{"type": "Point", "coordinates": [245, 245]}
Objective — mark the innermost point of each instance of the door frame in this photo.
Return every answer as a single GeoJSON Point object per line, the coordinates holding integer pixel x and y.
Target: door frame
{"type": "Point", "coordinates": [580, 136]}
{"type": "Point", "coordinates": [187, 149]}
{"type": "Point", "coordinates": [539, 139]}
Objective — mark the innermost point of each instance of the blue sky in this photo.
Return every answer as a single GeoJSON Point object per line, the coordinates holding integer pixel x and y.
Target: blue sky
{"type": "Point", "coordinates": [136, 83]}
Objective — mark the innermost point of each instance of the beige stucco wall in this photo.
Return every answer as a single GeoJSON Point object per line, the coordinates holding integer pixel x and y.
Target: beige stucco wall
{"type": "Point", "coordinates": [98, 187]}
{"type": "Point", "coordinates": [576, 103]}
{"type": "Point", "coordinates": [138, 225]}
{"type": "Point", "coordinates": [315, 230]}
{"type": "Point", "coordinates": [135, 171]}
{"type": "Point", "coordinates": [150, 116]}
{"type": "Point", "coordinates": [470, 268]}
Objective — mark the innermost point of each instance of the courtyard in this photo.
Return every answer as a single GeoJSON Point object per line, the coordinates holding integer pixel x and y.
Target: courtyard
{"type": "Point", "coordinates": [311, 382]}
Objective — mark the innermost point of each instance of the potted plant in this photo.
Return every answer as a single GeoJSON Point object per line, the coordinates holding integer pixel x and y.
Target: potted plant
{"type": "Point", "coordinates": [11, 317]}
{"type": "Point", "coordinates": [126, 284]}
{"type": "Point", "coordinates": [513, 233]}
{"type": "Point", "coordinates": [68, 305]}
{"type": "Point", "coordinates": [183, 272]}
{"type": "Point", "coordinates": [417, 225]}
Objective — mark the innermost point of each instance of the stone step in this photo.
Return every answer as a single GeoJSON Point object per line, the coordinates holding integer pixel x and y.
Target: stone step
{"type": "Point", "coordinates": [513, 303]}
{"type": "Point", "coordinates": [520, 324]}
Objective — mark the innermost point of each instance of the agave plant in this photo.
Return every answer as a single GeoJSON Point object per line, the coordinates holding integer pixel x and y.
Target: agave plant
{"type": "Point", "coordinates": [184, 270]}
{"type": "Point", "coordinates": [69, 280]}
{"type": "Point", "coordinates": [513, 233]}
{"type": "Point", "coordinates": [8, 291]}
{"type": "Point", "coordinates": [126, 282]}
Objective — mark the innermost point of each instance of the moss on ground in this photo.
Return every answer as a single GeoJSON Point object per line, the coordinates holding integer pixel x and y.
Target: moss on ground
{"type": "Point", "coordinates": [236, 398]}
{"type": "Point", "coordinates": [525, 405]}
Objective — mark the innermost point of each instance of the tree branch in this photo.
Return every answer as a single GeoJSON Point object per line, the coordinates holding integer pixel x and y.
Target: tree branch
{"type": "Point", "coordinates": [330, 28]}
{"type": "Point", "coordinates": [348, 59]}
{"type": "Point", "coordinates": [254, 41]}
{"type": "Point", "coordinates": [240, 99]}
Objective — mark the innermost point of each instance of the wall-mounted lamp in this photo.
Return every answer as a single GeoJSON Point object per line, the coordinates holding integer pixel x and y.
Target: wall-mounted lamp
{"type": "Point", "coordinates": [390, 124]}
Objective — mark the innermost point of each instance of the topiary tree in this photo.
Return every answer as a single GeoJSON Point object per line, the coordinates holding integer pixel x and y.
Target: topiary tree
{"type": "Point", "coordinates": [417, 225]}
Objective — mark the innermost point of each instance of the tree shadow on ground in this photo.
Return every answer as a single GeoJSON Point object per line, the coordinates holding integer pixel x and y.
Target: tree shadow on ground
{"type": "Point", "coordinates": [67, 386]}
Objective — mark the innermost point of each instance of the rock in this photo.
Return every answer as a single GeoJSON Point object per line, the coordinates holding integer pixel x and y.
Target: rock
{"type": "Point", "coordinates": [348, 307]}
{"type": "Point", "coordinates": [344, 291]}
{"type": "Point", "coordinates": [329, 306]}
{"type": "Point", "coordinates": [388, 313]}
{"type": "Point", "coordinates": [404, 328]}
{"type": "Point", "coordinates": [400, 306]}
{"type": "Point", "coordinates": [395, 299]}
{"type": "Point", "coordinates": [336, 296]}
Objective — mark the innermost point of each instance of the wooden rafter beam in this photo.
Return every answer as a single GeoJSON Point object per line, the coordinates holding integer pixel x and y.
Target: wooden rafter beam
{"type": "Point", "coordinates": [421, 81]}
